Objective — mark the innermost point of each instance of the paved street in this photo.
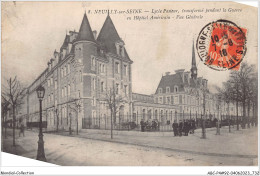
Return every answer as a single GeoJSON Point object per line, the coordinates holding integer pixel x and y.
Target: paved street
{"type": "Point", "coordinates": [94, 147]}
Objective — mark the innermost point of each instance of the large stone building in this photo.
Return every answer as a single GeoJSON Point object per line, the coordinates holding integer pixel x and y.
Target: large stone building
{"type": "Point", "coordinates": [84, 70]}
{"type": "Point", "coordinates": [187, 90]}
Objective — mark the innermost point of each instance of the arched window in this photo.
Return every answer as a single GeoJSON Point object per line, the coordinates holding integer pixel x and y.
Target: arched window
{"type": "Point", "coordinates": [176, 88]}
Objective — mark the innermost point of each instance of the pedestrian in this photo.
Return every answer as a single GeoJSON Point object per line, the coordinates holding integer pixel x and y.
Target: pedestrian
{"type": "Point", "coordinates": [186, 128]}
{"type": "Point", "coordinates": [192, 126]}
{"type": "Point", "coordinates": [175, 128]}
{"type": "Point", "coordinates": [142, 125]}
{"type": "Point", "coordinates": [21, 130]}
{"type": "Point", "coordinates": [180, 128]}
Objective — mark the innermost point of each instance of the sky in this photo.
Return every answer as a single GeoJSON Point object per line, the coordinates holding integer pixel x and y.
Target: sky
{"type": "Point", "coordinates": [31, 31]}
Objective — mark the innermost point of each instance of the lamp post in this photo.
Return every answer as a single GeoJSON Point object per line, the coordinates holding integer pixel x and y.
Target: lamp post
{"type": "Point", "coordinates": [40, 152]}
{"type": "Point", "coordinates": [203, 135]}
{"type": "Point", "coordinates": [70, 130]}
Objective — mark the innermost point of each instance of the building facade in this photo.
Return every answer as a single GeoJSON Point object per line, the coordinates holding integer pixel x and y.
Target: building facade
{"type": "Point", "coordinates": [84, 70]}
{"type": "Point", "coordinates": [88, 66]}
{"type": "Point", "coordinates": [188, 91]}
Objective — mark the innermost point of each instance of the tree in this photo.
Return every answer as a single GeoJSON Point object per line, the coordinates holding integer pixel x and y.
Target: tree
{"type": "Point", "coordinates": [5, 108]}
{"type": "Point", "coordinates": [244, 76]}
{"type": "Point", "coordinates": [226, 94]}
{"type": "Point", "coordinates": [114, 101]}
{"type": "Point", "coordinates": [75, 106]}
{"type": "Point", "coordinates": [238, 88]}
{"type": "Point", "coordinates": [14, 92]}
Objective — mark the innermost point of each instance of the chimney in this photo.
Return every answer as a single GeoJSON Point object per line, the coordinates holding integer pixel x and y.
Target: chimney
{"type": "Point", "coordinates": [205, 82]}
{"type": "Point", "coordinates": [180, 72]}
{"type": "Point", "coordinates": [49, 67]}
{"type": "Point", "coordinates": [95, 34]}
{"type": "Point", "coordinates": [167, 73]}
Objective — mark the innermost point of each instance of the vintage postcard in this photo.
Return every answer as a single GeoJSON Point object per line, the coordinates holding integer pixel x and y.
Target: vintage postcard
{"type": "Point", "coordinates": [130, 83]}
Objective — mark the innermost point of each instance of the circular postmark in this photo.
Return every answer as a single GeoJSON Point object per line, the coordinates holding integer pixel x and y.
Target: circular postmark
{"type": "Point", "coordinates": [221, 45]}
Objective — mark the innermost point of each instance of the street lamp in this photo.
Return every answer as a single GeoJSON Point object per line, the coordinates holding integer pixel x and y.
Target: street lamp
{"type": "Point", "coordinates": [40, 152]}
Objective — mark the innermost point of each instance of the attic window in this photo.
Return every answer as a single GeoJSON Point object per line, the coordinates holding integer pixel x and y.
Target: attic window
{"type": "Point", "coordinates": [167, 89]}
{"type": "Point", "coordinates": [120, 49]}
{"type": "Point", "coordinates": [176, 88]}
{"type": "Point", "coordinates": [160, 90]}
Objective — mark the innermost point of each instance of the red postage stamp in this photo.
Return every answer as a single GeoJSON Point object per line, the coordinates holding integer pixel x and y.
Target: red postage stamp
{"type": "Point", "coordinates": [221, 45]}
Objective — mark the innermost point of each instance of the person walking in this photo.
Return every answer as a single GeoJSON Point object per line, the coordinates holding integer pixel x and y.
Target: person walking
{"type": "Point", "coordinates": [180, 129]}
{"type": "Point", "coordinates": [142, 125]}
{"type": "Point", "coordinates": [175, 128]}
{"type": "Point", "coordinates": [192, 126]}
{"type": "Point", "coordinates": [186, 128]}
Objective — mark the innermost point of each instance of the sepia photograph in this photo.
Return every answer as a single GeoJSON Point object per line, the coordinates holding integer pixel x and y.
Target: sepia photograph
{"type": "Point", "coordinates": [130, 83]}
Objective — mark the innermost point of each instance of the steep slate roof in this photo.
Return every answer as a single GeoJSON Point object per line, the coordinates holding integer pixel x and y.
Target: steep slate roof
{"type": "Point", "coordinates": [171, 81]}
{"type": "Point", "coordinates": [66, 42]}
{"type": "Point", "coordinates": [85, 31]}
{"type": "Point", "coordinates": [108, 36]}
{"type": "Point", "coordinates": [176, 80]}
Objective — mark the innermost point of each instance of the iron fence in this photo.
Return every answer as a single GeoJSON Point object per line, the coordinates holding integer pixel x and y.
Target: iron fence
{"type": "Point", "coordinates": [158, 122]}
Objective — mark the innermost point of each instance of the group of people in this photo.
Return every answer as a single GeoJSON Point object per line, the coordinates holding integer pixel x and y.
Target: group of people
{"type": "Point", "coordinates": [186, 127]}
{"type": "Point", "coordinates": [149, 125]}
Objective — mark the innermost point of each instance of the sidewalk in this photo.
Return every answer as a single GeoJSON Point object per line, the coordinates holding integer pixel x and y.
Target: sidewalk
{"type": "Point", "coordinates": [91, 148]}
{"type": "Point", "coordinates": [242, 143]}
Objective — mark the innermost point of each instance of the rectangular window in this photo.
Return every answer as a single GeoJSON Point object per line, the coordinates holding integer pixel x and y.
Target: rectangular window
{"type": "Point", "coordinates": [93, 101]}
{"type": "Point", "coordinates": [102, 86]}
{"type": "Point", "coordinates": [55, 84]}
{"type": "Point", "coordinates": [93, 61]}
{"type": "Point", "coordinates": [160, 100]}
{"type": "Point", "coordinates": [62, 92]}
{"type": "Point", "coordinates": [65, 71]}
{"type": "Point", "coordinates": [125, 70]}
{"type": "Point", "coordinates": [68, 68]}
{"type": "Point", "coordinates": [61, 71]}
{"type": "Point", "coordinates": [125, 89]}
{"type": "Point", "coordinates": [168, 100]}
{"type": "Point", "coordinates": [167, 89]}
{"type": "Point", "coordinates": [65, 91]}
{"type": "Point", "coordinates": [117, 88]}
{"type": "Point", "coordinates": [94, 83]}
{"type": "Point", "coordinates": [93, 114]}
{"type": "Point", "coordinates": [68, 90]}
{"type": "Point", "coordinates": [117, 67]}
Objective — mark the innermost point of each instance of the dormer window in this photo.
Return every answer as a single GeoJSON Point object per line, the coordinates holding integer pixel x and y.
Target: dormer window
{"type": "Point", "coordinates": [120, 48]}
{"type": "Point", "coordinates": [175, 89]}
{"type": "Point", "coordinates": [160, 90]}
{"type": "Point", "coordinates": [167, 89]}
